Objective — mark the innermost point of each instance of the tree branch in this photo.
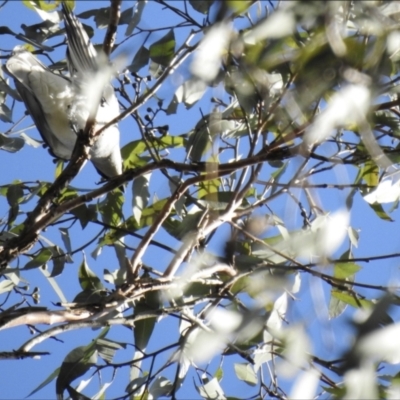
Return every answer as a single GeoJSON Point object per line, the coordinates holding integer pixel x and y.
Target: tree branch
{"type": "Point", "coordinates": [115, 14]}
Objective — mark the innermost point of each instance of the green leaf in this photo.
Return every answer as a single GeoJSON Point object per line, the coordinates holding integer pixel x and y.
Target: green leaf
{"type": "Point", "coordinates": [10, 144]}
{"type": "Point", "coordinates": [345, 270]}
{"type": "Point", "coordinates": [76, 363]}
{"type": "Point", "coordinates": [219, 374]}
{"type": "Point", "coordinates": [245, 373]}
{"type": "Point", "coordinates": [190, 223]}
{"type": "Point", "coordinates": [106, 348]}
{"type": "Point", "coordinates": [49, 379]}
{"type": "Point", "coordinates": [135, 16]}
{"type": "Point", "coordinates": [208, 190]}
{"type": "Point", "coordinates": [43, 256]}
{"type": "Point", "coordinates": [168, 142]}
{"type": "Point", "coordinates": [88, 279]}
{"type": "Point", "coordinates": [130, 154]}
{"type": "Point", "coordinates": [85, 214]}
{"type": "Point", "coordinates": [140, 60]}
{"type": "Point", "coordinates": [353, 236]}
{"type": "Point", "coordinates": [201, 6]}
{"type": "Point", "coordinates": [339, 391]}
{"type": "Point", "coordinates": [111, 208]}
{"type": "Point", "coordinates": [59, 168]}
{"type": "Point", "coordinates": [336, 307]}
{"type": "Point", "coordinates": [144, 327]}
{"type": "Point", "coordinates": [370, 173]}
{"type": "Point", "coordinates": [239, 6]}
{"type": "Point", "coordinates": [199, 140]}
{"type": "Point", "coordinates": [140, 195]}
{"type": "Point", "coordinates": [351, 300]}
{"type": "Point", "coordinates": [380, 212]}
{"type": "Point", "coordinates": [59, 259]}
{"type": "Point", "coordinates": [162, 51]}
{"type": "Point", "coordinates": [14, 197]}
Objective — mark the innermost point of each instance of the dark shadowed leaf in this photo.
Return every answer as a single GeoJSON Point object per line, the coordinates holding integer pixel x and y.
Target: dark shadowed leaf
{"type": "Point", "coordinates": [88, 279]}
{"type": "Point", "coordinates": [11, 145]}
{"type": "Point", "coordinates": [110, 208]}
{"type": "Point", "coordinates": [201, 6]}
{"type": "Point", "coordinates": [140, 60]}
{"type": "Point", "coordinates": [135, 16]}
{"type": "Point", "coordinates": [75, 364]}
{"type": "Point", "coordinates": [140, 195]}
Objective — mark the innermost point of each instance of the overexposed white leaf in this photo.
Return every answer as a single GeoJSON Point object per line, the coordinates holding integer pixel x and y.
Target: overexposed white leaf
{"type": "Point", "coordinates": [190, 91]}
{"type": "Point", "coordinates": [387, 191]}
{"type": "Point", "coordinates": [305, 385]}
{"type": "Point", "coordinates": [360, 383]}
{"type": "Point", "coordinates": [324, 238]}
{"type": "Point", "coordinates": [261, 356]}
{"type": "Point", "coordinates": [207, 59]}
{"type": "Point", "coordinates": [297, 283]}
{"type": "Point", "coordinates": [393, 392]}
{"type": "Point", "coordinates": [348, 106]}
{"type": "Point", "coordinates": [225, 321]}
{"type": "Point", "coordinates": [296, 352]}
{"type": "Point", "coordinates": [206, 346]}
{"type": "Point", "coordinates": [281, 23]}
{"type": "Point", "coordinates": [53, 16]}
{"type": "Point", "coordinates": [245, 372]}
{"type": "Point", "coordinates": [393, 45]}
{"type": "Point", "coordinates": [30, 141]}
{"type": "Point", "coordinates": [381, 345]}
{"type": "Point", "coordinates": [212, 390]}
{"type": "Point", "coordinates": [278, 313]}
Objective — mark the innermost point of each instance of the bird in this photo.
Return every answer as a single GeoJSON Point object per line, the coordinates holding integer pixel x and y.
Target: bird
{"type": "Point", "coordinates": [61, 105]}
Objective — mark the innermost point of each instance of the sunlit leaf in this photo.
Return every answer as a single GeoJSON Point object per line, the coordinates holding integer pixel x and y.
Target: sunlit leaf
{"type": "Point", "coordinates": [211, 390]}
{"type": "Point", "coordinates": [40, 259]}
{"type": "Point", "coordinates": [245, 372]}
{"type": "Point", "coordinates": [351, 300]}
{"type": "Point", "coordinates": [162, 51]}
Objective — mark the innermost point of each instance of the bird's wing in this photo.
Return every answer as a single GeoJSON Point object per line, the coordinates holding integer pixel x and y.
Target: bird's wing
{"type": "Point", "coordinates": [56, 148]}
{"type": "Point", "coordinates": [81, 54]}
{"type": "Point", "coordinates": [20, 67]}
{"type": "Point", "coordinates": [86, 69]}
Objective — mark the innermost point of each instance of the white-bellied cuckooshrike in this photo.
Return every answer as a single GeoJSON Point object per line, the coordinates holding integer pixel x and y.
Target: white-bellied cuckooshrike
{"type": "Point", "coordinates": [60, 106]}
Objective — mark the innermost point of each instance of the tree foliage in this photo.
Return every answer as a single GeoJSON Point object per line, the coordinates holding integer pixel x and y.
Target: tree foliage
{"type": "Point", "coordinates": [254, 134]}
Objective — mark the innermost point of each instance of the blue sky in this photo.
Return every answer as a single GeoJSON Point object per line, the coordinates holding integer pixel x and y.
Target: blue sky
{"type": "Point", "coordinates": [328, 337]}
